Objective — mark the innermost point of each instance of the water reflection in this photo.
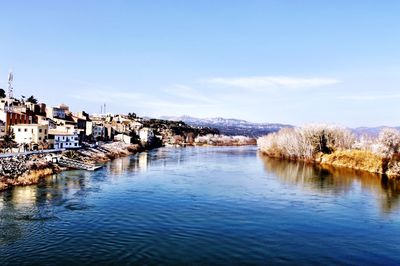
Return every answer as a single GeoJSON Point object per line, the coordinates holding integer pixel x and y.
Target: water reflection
{"type": "Point", "coordinates": [38, 203]}
{"type": "Point", "coordinates": [165, 157]}
{"type": "Point", "coordinates": [24, 197]}
{"type": "Point", "coordinates": [67, 191]}
{"type": "Point", "coordinates": [335, 180]}
{"type": "Point", "coordinates": [137, 163]}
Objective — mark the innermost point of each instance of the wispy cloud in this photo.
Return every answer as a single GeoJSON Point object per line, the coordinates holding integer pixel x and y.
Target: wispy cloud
{"type": "Point", "coordinates": [369, 97]}
{"type": "Point", "coordinates": [271, 82]}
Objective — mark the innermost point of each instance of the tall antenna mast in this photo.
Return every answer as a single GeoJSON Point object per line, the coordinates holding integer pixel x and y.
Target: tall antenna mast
{"type": "Point", "coordinates": [105, 108]}
{"type": "Point", "coordinates": [101, 109]}
{"type": "Point", "coordinates": [10, 87]}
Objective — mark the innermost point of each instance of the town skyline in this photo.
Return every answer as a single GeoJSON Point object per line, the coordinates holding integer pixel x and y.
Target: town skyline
{"type": "Point", "coordinates": [262, 62]}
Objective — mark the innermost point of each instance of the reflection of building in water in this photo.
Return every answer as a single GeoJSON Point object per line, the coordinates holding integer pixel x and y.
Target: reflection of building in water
{"type": "Point", "coordinates": [119, 165]}
{"type": "Point", "coordinates": [143, 161]}
{"type": "Point", "coordinates": [336, 180]}
{"type": "Point", "coordinates": [2, 202]}
{"type": "Point", "coordinates": [131, 163]}
{"type": "Point", "coordinates": [75, 180]}
{"type": "Point", "coordinates": [24, 197]}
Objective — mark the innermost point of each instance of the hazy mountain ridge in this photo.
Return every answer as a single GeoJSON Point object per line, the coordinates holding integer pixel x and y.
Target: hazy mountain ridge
{"type": "Point", "coordinates": [370, 131]}
{"type": "Point", "coordinates": [230, 126]}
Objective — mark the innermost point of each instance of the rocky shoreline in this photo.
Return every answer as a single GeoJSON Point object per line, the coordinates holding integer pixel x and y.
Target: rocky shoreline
{"type": "Point", "coordinates": [24, 170]}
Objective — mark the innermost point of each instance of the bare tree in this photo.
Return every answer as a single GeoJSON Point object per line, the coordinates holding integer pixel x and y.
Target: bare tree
{"type": "Point", "coordinates": [389, 139]}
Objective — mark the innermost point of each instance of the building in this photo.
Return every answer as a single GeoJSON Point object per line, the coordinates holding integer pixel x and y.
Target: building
{"type": "Point", "coordinates": [123, 138]}
{"type": "Point", "coordinates": [55, 112]}
{"type": "Point", "coordinates": [2, 128]}
{"type": "Point", "coordinates": [98, 131]}
{"type": "Point", "coordinates": [64, 137]}
{"type": "Point", "coordinates": [81, 119]}
{"type": "Point", "coordinates": [30, 134]}
{"type": "Point", "coordinates": [146, 134]}
{"type": "Point", "coordinates": [6, 104]}
{"type": "Point", "coordinates": [37, 109]}
{"type": "Point", "coordinates": [12, 113]}
{"type": "Point", "coordinates": [109, 132]}
{"type": "Point", "coordinates": [13, 118]}
{"type": "Point", "coordinates": [64, 107]}
{"type": "Point", "coordinates": [135, 125]}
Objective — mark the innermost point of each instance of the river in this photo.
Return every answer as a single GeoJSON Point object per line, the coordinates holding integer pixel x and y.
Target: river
{"type": "Point", "coordinates": [206, 206]}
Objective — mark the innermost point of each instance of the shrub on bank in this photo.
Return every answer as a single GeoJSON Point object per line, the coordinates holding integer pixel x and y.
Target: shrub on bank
{"type": "Point", "coordinates": [305, 142]}
{"type": "Point", "coordinates": [393, 168]}
{"type": "Point", "coordinates": [223, 140]}
{"type": "Point", "coordinates": [356, 159]}
{"type": "Point", "coordinates": [389, 140]}
{"type": "Point", "coordinates": [336, 146]}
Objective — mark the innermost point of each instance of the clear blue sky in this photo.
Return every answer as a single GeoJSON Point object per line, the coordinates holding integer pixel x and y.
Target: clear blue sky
{"type": "Point", "coordinates": [265, 61]}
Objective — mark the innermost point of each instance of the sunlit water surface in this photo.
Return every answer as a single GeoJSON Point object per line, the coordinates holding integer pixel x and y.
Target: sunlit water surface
{"type": "Point", "coordinates": [212, 205]}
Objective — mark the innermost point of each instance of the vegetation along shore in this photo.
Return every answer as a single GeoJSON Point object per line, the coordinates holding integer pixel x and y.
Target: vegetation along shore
{"type": "Point", "coordinates": [337, 146]}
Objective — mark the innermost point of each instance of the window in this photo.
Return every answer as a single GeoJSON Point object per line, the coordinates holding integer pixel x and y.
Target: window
{"type": "Point", "coordinates": [40, 130]}
{"type": "Point", "coordinates": [45, 131]}
{"type": "Point", "coordinates": [40, 138]}
{"type": "Point", "coordinates": [76, 144]}
{"type": "Point", "coordinates": [19, 130]}
{"type": "Point", "coordinates": [25, 129]}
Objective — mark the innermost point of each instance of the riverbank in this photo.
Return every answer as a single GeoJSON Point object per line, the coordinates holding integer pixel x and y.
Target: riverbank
{"type": "Point", "coordinates": [24, 170]}
{"type": "Point", "coordinates": [350, 159]}
{"type": "Point", "coordinates": [337, 147]}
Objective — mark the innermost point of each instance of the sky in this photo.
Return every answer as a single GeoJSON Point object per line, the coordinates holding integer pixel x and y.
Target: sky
{"type": "Point", "coordinates": [293, 62]}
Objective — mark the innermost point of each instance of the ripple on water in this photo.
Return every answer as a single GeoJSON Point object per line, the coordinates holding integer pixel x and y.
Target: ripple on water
{"type": "Point", "coordinates": [77, 206]}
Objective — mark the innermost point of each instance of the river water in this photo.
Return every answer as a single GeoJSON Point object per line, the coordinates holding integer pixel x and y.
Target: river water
{"type": "Point", "coordinates": [204, 206]}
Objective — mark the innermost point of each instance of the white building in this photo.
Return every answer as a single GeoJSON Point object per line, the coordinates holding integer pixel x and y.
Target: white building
{"type": "Point", "coordinates": [146, 134]}
{"type": "Point", "coordinates": [64, 138]}
{"type": "Point", "coordinates": [123, 138]}
{"type": "Point", "coordinates": [30, 133]}
{"type": "Point", "coordinates": [136, 125]}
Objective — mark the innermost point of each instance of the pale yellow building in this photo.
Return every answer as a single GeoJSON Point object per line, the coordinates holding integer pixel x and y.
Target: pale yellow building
{"type": "Point", "coordinates": [30, 133]}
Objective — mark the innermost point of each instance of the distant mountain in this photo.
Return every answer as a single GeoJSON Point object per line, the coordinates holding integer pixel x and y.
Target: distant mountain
{"type": "Point", "coordinates": [230, 126]}
{"type": "Point", "coordinates": [370, 131]}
